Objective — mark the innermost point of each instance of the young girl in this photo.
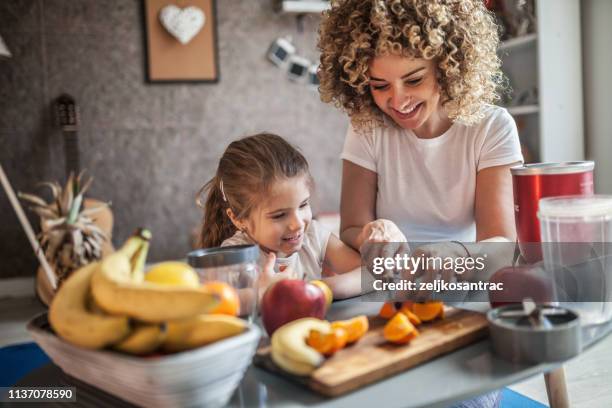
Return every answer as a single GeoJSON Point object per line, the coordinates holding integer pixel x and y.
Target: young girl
{"type": "Point", "coordinates": [261, 195]}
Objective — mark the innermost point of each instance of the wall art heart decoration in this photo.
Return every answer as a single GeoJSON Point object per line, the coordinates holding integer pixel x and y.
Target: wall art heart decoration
{"type": "Point", "coordinates": [183, 24]}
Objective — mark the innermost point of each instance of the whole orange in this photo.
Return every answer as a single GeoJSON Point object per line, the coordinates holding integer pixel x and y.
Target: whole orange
{"type": "Point", "coordinates": [229, 301]}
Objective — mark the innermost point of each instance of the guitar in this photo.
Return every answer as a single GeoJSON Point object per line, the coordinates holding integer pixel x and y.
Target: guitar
{"type": "Point", "coordinates": [67, 116]}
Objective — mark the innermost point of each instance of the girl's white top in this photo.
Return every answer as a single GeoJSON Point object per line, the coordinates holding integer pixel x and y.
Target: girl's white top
{"type": "Point", "coordinates": [427, 186]}
{"type": "Point", "coordinates": [306, 263]}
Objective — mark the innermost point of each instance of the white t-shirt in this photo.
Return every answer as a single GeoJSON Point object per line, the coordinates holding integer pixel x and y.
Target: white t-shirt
{"type": "Point", "coordinates": [306, 263]}
{"type": "Point", "coordinates": [427, 186]}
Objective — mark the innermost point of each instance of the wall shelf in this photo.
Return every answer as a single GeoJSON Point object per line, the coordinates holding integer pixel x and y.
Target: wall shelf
{"type": "Point", "coordinates": [524, 40]}
{"type": "Point", "coordinates": [538, 65]}
{"type": "Point", "coordinates": [302, 6]}
{"type": "Point", "coordinates": [523, 110]}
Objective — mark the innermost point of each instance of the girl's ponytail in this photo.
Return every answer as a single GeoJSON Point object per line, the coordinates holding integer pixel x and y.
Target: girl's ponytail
{"type": "Point", "coordinates": [217, 226]}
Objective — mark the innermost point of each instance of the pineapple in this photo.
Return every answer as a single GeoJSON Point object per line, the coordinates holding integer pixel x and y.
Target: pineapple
{"type": "Point", "coordinates": [69, 236]}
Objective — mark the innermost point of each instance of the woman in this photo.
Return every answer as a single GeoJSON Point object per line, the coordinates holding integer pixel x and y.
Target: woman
{"type": "Point", "coordinates": [426, 156]}
{"type": "Point", "coordinates": [425, 149]}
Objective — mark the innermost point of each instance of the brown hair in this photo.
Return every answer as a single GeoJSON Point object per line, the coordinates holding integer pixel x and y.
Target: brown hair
{"type": "Point", "coordinates": [247, 169]}
{"type": "Point", "coordinates": [459, 35]}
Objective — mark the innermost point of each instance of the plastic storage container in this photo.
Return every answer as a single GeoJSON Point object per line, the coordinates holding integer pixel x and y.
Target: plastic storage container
{"type": "Point", "coordinates": [577, 247]}
{"type": "Point", "coordinates": [235, 265]}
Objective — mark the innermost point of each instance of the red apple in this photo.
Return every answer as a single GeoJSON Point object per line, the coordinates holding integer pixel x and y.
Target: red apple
{"type": "Point", "coordinates": [520, 282]}
{"type": "Point", "coordinates": [291, 299]}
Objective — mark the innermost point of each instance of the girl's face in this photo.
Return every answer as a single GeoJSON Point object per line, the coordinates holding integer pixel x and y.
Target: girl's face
{"type": "Point", "coordinates": [406, 89]}
{"type": "Point", "coordinates": [280, 222]}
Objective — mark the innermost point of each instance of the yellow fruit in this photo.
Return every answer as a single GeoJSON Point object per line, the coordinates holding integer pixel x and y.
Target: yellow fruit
{"type": "Point", "coordinates": [200, 330]}
{"type": "Point", "coordinates": [290, 350]}
{"type": "Point", "coordinates": [329, 296]}
{"type": "Point", "coordinates": [173, 273]}
{"type": "Point", "coordinates": [74, 322]}
{"type": "Point", "coordinates": [118, 290]}
{"type": "Point", "coordinates": [144, 339]}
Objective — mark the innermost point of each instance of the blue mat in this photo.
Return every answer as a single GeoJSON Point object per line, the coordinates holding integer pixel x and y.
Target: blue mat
{"type": "Point", "coordinates": [512, 399]}
{"type": "Point", "coordinates": [18, 360]}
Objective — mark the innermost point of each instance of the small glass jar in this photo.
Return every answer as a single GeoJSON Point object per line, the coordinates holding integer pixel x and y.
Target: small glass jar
{"type": "Point", "coordinates": [234, 265]}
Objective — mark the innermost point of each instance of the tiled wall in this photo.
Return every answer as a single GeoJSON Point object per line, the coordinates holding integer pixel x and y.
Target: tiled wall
{"type": "Point", "coordinates": [149, 146]}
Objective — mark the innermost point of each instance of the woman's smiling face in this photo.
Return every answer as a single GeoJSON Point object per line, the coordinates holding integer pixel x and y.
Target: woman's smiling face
{"type": "Point", "coordinates": [405, 89]}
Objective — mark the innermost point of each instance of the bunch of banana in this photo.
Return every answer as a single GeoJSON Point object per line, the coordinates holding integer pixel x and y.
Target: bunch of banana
{"type": "Point", "coordinates": [290, 350]}
{"type": "Point", "coordinates": [109, 303]}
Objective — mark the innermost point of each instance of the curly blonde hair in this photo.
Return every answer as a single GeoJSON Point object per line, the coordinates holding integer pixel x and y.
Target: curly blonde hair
{"type": "Point", "coordinates": [461, 36]}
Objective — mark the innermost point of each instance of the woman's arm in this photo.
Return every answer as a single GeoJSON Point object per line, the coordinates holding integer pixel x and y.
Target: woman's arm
{"type": "Point", "coordinates": [494, 204]}
{"type": "Point", "coordinates": [357, 202]}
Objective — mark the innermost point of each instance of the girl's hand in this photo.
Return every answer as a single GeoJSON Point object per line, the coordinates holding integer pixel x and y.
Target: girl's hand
{"type": "Point", "coordinates": [267, 276]}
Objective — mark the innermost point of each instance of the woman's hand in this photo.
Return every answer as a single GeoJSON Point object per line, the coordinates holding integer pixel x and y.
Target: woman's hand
{"type": "Point", "coordinates": [382, 239]}
{"type": "Point", "coordinates": [381, 230]}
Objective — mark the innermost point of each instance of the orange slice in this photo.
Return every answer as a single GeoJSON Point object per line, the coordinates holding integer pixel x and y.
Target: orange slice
{"type": "Point", "coordinates": [413, 318]}
{"type": "Point", "coordinates": [428, 311]}
{"type": "Point", "coordinates": [399, 330]}
{"type": "Point", "coordinates": [330, 343]}
{"type": "Point", "coordinates": [387, 310]}
{"type": "Point", "coordinates": [355, 327]}
{"type": "Point", "coordinates": [323, 343]}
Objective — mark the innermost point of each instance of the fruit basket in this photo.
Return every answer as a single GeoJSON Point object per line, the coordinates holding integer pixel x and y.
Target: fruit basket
{"type": "Point", "coordinates": [206, 376]}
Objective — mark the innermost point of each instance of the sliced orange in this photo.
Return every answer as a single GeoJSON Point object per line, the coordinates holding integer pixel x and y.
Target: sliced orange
{"type": "Point", "coordinates": [329, 343]}
{"type": "Point", "coordinates": [323, 343]}
{"type": "Point", "coordinates": [355, 327]}
{"type": "Point", "coordinates": [428, 311]}
{"type": "Point", "coordinates": [387, 310]}
{"type": "Point", "coordinates": [340, 337]}
{"type": "Point", "coordinates": [399, 329]}
{"type": "Point", "coordinates": [413, 318]}
{"type": "Point", "coordinates": [230, 302]}
{"type": "Point", "coordinates": [406, 339]}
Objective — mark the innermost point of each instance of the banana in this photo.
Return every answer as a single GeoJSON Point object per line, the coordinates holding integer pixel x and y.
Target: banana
{"type": "Point", "coordinates": [144, 339]}
{"type": "Point", "coordinates": [197, 331]}
{"type": "Point", "coordinates": [75, 323]}
{"type": "Point", "coordinates": [289, 348]}
{"type": "Point", "coordinates": [118, 287]}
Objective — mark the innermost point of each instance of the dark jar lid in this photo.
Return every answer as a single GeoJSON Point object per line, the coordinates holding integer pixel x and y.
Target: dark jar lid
{"type": "Point", "coordinates": [223, 256]}
{"type": "Point", "coordinates": [533, 169]}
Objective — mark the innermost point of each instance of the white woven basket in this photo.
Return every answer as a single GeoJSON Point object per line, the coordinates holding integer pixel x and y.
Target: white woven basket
{"type": "Point", "coordinates": [203, 377]}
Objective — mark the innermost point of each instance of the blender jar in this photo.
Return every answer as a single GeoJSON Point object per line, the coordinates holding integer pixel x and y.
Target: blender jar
{"type": "Point", "coordinates": [577, 247]}
{"type": "Point", "coordinates": [234, 265]}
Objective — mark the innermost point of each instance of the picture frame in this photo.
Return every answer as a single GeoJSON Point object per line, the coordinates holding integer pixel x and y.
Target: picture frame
{"type": "Point", "coordinates": [178, 51]}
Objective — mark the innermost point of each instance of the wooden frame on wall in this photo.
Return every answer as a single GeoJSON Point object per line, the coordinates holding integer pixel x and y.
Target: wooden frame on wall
{"type": "Point", "coordinates": [167, 60]}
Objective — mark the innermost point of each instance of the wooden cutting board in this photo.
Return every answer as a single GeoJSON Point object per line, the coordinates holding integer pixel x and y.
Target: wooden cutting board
{"type": "Point", "coordinates": [372, 358]}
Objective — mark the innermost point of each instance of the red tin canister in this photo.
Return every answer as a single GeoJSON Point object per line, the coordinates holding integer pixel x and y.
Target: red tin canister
{"type": "Point", "coordinates": [534, 181]}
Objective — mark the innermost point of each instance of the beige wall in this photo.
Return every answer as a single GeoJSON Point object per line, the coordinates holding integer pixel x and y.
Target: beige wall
{"type": "Point", "coordinates": [149, 146]}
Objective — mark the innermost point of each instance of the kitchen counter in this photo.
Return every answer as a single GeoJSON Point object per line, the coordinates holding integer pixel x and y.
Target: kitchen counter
{"type": "Point", "coordinates": [460, 375]}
